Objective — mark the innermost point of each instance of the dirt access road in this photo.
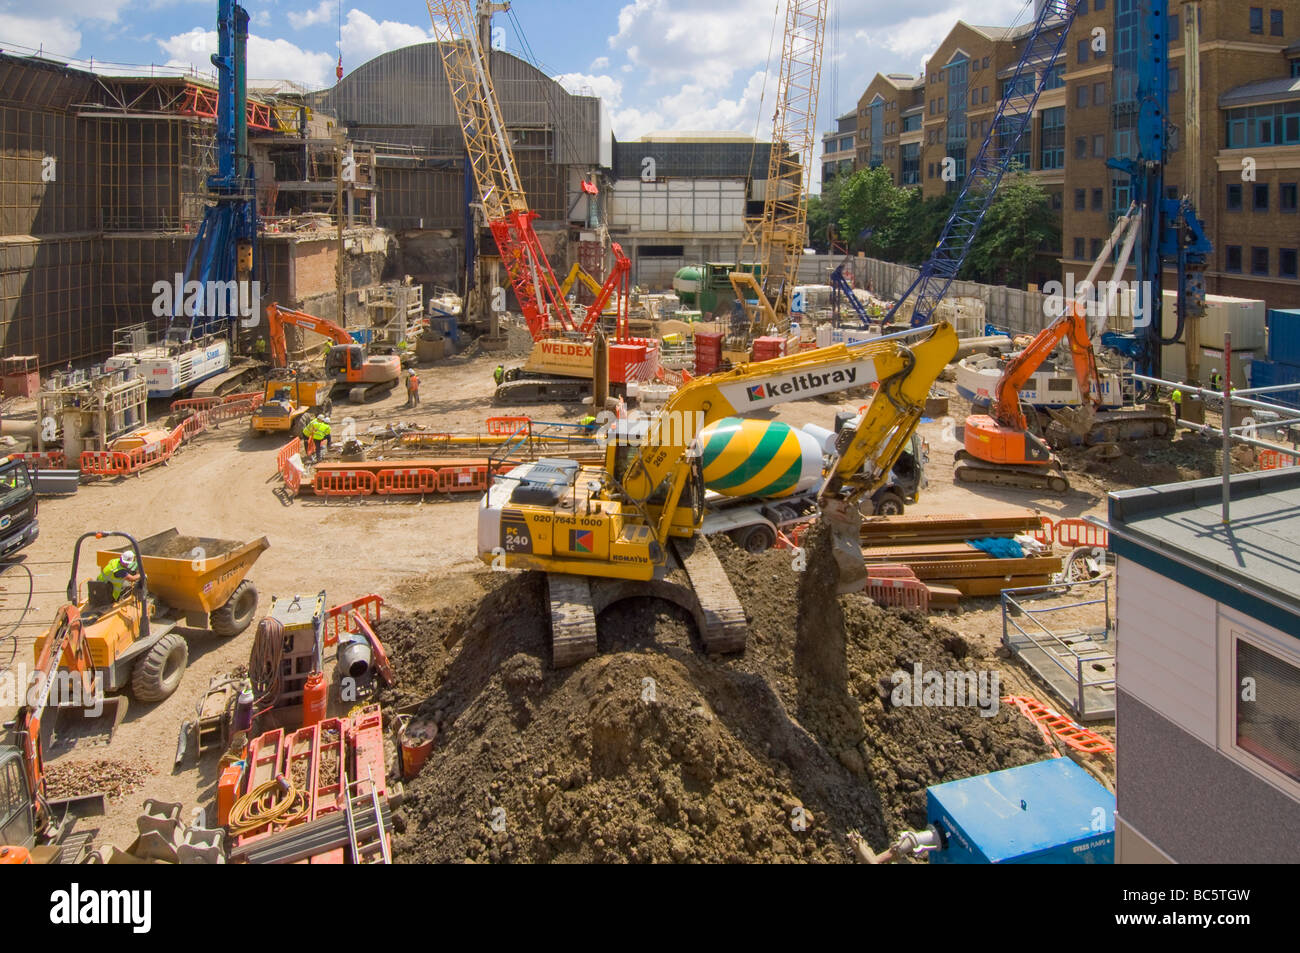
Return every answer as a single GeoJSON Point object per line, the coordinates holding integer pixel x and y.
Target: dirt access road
{"type": "Point", "coordinates": [419, 556]}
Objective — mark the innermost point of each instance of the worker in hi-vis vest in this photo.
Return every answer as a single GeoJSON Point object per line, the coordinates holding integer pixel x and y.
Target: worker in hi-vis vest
{"type": "Point", "coordinates": [119, 571]}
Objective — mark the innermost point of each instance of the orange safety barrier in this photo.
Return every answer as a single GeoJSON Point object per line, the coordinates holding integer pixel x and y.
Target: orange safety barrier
{"type": "Point", "coordinates": [501, 426]}
{"type": "Point", "coordinates": [1046, 531]}
{"type": "Point", "coordinates": [343, 483]}
{"type": "Point", "coordinates": [462, 479]}
{"type": "Point", "coordinates": [899, 591]}
{"type": "Point", "coordinates": [417, 480]}
{"type": "Point", "coordinates": [1047, 719]}
{"type": "Point", "coordinates": [1077, 532]}
{"type": "Point", "coordinates": [1275, 460]}
{"type": "Point", "coordinates": [47, 459]}
{"type": "Point", "coordinates": [340, 619]}
{"type": "Point", "coordinates": [890, 572]}
{"type": "Point", "coordinates": [97, 463]}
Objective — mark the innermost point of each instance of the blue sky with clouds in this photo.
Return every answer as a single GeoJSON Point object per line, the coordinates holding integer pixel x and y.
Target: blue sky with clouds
{"type": "Point", "coordinates": [658, 64]}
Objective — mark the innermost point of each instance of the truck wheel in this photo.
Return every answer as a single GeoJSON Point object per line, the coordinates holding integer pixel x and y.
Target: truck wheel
{"type": "Point", "coordinates": [158, 673]}
{"type": "Point", "coordinates": [237, 614]}
{"type": "Point", "coordinates": [757, 539]}
{"type": "Point", "coordinates": [296, 428]}
{"type": "Point", "coordinates": [889, 503]}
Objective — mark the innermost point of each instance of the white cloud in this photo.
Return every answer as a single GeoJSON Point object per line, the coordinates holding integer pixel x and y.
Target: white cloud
{"type": "Point", "coordinates": [599, 63]}
{"type": "Point", "coordinates": [364, 38]}
{"type": "Point", "coordinates": [56, 37]}
{"type": "Point", "coordinates": [586, 84]}
{"type": "Point", "coordinates": [261, 18]}
{"type": "Point", "coordinates": [267, 59]}
{"type": "Point", "coordinates": [324, 13]}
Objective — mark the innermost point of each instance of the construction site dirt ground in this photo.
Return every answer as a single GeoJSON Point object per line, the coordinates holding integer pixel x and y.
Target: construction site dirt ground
{"type": "Point", "coordinates": [421, 557]}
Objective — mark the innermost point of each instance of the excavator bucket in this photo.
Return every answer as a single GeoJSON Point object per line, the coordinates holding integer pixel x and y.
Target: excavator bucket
{"type": "Point", "coordinates": [89, 724]}
{"type": "Point", "coordinates": [845, 525]}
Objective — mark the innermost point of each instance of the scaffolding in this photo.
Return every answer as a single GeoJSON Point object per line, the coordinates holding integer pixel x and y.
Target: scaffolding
{"type": "Point", "coordinates": [87, 410]}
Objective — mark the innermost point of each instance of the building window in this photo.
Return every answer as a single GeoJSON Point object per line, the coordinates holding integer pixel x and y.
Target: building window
{"type": "Point", "coordinates": [1099, 6]}
{"type": "Point", "coordinates": [1261, 197]}
{"type": "Point", "coordinates": [1083, 7]}
{"type": "Point", "coordinates": [1262, 721]}
{"type": "Point", "coordinates": [911, 171]}
{"type": "Point", "coordinates": [1277, 124]}
{"type": "Point", "coordinates": [1081, 96]}
{"type": "Point", "coordinates": [1286, 197]}
{"type": "Point", "coordinates": [1275, 23]}
{"type": "Point", "coordinates": [1234, 198]}
{"type": "Point", "coordinates": [1098, 146]}
{"type": "Point", "coordinates": [1256, 19]}
{"type": "Point", "coordinates": [1081, 51]}
{"type": "Point", "coordinates": [1094, 249]}
{"type": "Point", "coordinates": [1259, 261]}
{"type": "Point", "coordinates": [1052, 139]}
{"type": "Point", "coordinates": [986, 63]}
{"type": "Point", "coordinates": [1058, 200]}
{"type": "Point", "coordinates": [1097, 200]}
{"type": "Point", "coordinates": [1286, 263]}
{"type": "Point", "coordinates": [1055, 77]}
{"type": "Point", "coordinates": [1232, 259]}
{"type": "Point", "coordinates": [1081, 148]}
{"type": "Point", "coordinates": [984, 90]}
{"type": "Point", "coordinates": [1080, 200]}
{"type": "Point", "coordinates": [1099, 94]}
{"type": "Point", "coordinates": [1079, 248]}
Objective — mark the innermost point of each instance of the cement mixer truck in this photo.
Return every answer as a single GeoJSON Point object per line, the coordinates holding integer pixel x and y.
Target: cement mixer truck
{"type": "Point", "coordinates": [763, 476]}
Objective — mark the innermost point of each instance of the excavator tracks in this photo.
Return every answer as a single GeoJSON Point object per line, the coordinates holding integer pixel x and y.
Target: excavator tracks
{"type": "Point", "coordinates": [573, 619]}
{"type": "Point", "coordinates": [226, 383]}
{"type": "Point", "coordinates": [970, 469]}
{"type": "Point", "coordinates": [722, 623]}
{"type": "Point", "coordinates": [542, 390]}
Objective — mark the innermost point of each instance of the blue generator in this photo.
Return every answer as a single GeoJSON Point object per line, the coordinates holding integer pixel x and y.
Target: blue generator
{"type": "Point", "coordinates": [1051, 812]}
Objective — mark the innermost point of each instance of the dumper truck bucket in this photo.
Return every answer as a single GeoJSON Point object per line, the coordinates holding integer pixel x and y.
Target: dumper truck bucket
{"type": "Point", "coordinates": [82, 723]}
{"type": "Point", "coordinates": [845, 525]}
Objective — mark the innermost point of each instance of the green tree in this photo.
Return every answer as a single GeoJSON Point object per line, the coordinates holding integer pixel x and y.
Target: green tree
{"type": "Point", "coordinates": [870, 200]}
{"type": "Point", "coordinates": [1019, 223]}
{"type": "Point", "coordinates": [824, 213]}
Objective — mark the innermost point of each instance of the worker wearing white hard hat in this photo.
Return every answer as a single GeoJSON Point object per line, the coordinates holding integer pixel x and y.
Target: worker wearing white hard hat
{"type": "Point", "coordinates": [120, 571]}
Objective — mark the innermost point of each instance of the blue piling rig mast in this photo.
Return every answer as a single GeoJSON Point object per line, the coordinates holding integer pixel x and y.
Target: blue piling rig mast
{"type": "Point", "coordinates": [1043, 46]}
{"type": "Point", "coordinates": [225, 247]}
{"type": "Point", "coordinates": [1170, 230]}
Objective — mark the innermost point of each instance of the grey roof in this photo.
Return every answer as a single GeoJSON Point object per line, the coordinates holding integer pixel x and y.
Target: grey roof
{"type": "Point", "coordinates": [1259, 549]}
{"type": "Point", "coordinates": [1262, 91]}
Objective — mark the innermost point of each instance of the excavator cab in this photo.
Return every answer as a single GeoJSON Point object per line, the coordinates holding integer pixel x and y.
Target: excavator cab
{"type": "Point", "coordinates": [344, 362]}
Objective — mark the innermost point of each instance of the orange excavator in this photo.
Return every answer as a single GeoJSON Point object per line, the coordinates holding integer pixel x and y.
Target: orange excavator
{"type": "Point", "coordinates": [348, 364]}
{"type": "Point", "coordinates": [31, 824]}
{"type": "Point", "coordinates": [999, 448]}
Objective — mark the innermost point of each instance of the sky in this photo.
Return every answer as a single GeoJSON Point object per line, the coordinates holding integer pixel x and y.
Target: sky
{"type": "Point", "coordinates": [659, 65]}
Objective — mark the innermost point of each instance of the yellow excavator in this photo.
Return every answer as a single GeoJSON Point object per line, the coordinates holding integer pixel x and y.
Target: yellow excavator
{"type": "Point", "coordinates": [602, 533]}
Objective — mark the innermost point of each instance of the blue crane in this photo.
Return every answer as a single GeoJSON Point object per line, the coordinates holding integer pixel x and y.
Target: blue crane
{"type": "Point", "coordinates": [1042, 50]}
{"type": "Point", "coordinates": [1171, 232]}
{"type": "Point", "coordinates": [225, 247]}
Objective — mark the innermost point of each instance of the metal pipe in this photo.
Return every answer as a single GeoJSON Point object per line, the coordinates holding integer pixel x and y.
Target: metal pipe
{"type": "Point", "coordinates": [1188, 388]}
{"type": "Point", "coordinates": [1226, 422]}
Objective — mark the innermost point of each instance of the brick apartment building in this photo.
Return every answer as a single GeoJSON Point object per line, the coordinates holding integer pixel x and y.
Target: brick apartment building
{"type": "Point", "coordinates": [1249, 109]}
{"type": "Point", "coordinates": [839, 147]}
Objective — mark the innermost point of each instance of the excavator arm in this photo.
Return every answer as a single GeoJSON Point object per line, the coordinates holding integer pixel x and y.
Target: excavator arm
{"type": "Point", "coordinates": [1073, 326]}
{"type": "Point", "coordinates": [276, 320]}
{"type": "Point", "coordinates": [904, 366]}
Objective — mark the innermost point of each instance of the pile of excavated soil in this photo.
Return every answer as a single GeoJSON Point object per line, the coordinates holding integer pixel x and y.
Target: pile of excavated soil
{"type": "Point", "coordinates": [653, 752]}
{"type": "Point", "coordinates": [1153, 462]}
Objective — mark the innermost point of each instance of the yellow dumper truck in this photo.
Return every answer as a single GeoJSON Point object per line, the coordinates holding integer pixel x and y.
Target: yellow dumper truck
{"type": "Point", "coordinates": [288, 404]}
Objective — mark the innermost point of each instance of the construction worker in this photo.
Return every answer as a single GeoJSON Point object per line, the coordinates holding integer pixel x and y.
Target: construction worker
{"type": "Point", "coordinates": [587, 423]}
{"type": "Point", "coordinates": [259, 349]}
{"type": "Point", "coordinates": [412, 389]}
{"type": "Point", "coordinates": [499, 375]}
{"type": "Point", "coordinates": [1216, 380]}
{"type": "Point", "coordinates": [319, 430]}
{"type": "Point", "coordinates": [119, 571]}
{"type": "Point", "coordinates": [1177, 397]}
